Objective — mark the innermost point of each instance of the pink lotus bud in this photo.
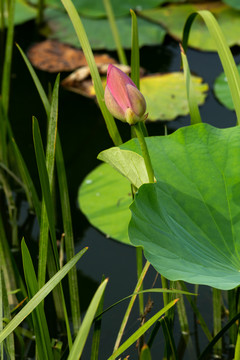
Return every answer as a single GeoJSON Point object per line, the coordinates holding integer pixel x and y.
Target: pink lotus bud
{"type": "Point", "coordinates": [122, 97]}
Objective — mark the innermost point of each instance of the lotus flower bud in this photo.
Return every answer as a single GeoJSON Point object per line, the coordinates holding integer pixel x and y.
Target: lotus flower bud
{"type": "Point", "coordinates": [122, 97]}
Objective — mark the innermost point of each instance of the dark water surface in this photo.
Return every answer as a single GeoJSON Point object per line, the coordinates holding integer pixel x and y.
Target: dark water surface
{"type": "Point", "coordinates": [83, 135]}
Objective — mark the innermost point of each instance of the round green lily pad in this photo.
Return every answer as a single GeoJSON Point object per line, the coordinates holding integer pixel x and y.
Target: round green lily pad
{"type": "Point", "coordinates": [104, 197]}
{"type": "Point", "coordinates": [173, 17]}
{"type": "Point", "coordinates": [59, 27]}
{"type": "Point", "coordinates": [166, 96]}
{"type": "Point", "coordinates": [222, 91]}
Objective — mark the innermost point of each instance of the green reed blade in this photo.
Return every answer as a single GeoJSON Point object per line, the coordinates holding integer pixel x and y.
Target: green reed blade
{"type": "Point", "coordinates": [135, 61]}
{"type": "Point", "coordinates": [217, 320]}
{"type": "Point", "coordinates": [191, 95]}
{"type": "Point", "coordinates": [5, 90]}
{"type": "Point", "coordinates": [81, 34]}
{"type": "Point", "coordinates": [1, 310]}
{"type": "Point", "coordinates": [40, 295]}
{"type": "Point", "coordinates": [224, 53]}
{"type": "Point", "coordinates": [37, 83]}
{"type": "Point", "coordinates": [82, 335]}
{"type": "Point", "coordinates": [115, 33]}
{"type": "Point", "coordinates": [43, 341]}
{"type": "Point", "coordinates": [137, 334]}
{"type": "Point", "coordinates": [69, 241]}
{"type": "Point", "coordinates": [9, 348]}
{"type": "Point", "coordinates": [46, 208]}
{"type": "Point", "coordinates": [97, 329]}
{"type": "Point", "coordinates": [65, 203]}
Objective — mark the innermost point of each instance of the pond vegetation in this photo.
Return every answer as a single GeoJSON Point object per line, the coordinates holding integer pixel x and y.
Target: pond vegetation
{"type": "Point", "coordinates": [172, 198]}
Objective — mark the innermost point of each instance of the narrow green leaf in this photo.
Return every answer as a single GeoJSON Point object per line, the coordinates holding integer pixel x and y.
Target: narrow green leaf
{"type": "Point", "coordinates": [1, 310]}
{"type": "Point", "coordinates": [37, 83]}
{"type": "Point", "coordinates": [81, 338]}
{"type": "Point", "coordinates": [8, 58]}
{"type": "Point", "coordinates": [224, 53]}
{"type": "Point", "coordinates": [41, 332]}
{"type": "Point", "coordinates": [217, 320]}
{"type": "Point", "coordinates": [130, 305]}
{"type": "Point", "coordinates": [191, 96]}
{"type": "Point", "coordinates": [115, 33]}
{"type": "Point", "coordinates": [69, 241]}
{"type": "Point", "coordinates": [44, 181]}
{"type": "Point", "coordinates": [50, 160]}
{"type": "Point", "coordinates": [40, 295]}
{"type": "Point", "coordinates": [141, 331]}
{"type": "Point", "coordinates": [135, 62]}
{"type": "Point", "coordinates": [81, 34]}
{"type": "Point", "coordinates": [9, 348]}
{"type": "Point", "coordinates": [97, 329]}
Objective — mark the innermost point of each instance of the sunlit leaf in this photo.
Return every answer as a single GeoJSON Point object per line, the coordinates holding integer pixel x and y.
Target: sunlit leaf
{"type": "Point", "coordinates": [166, 96]}
{"type": "Point", "coordinates": [173, 18]}
{"type": "Point", "coordinates": [98, 31]}
{"type": "Point", "coordinates": [222, 92]}
{"type": "Point", "coordinates": [188, 222]}
{"type": "Point", "coordinates": [104, 197]}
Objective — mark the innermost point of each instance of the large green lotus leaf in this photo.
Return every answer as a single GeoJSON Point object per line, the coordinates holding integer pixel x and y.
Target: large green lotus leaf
{"type": "Point", "coordinates": [173, 18]}
{"type": "Point", "coordinates": [23, 12]}
{"type": "Point", "coordinates": [98, 31]}
{"type": "Point", "coordinates": [222, 92]}
{"type": "Point", "coordinates": [166, 95]}
{"type": "Point", "coordinates": [189, 221]}
{"type": "Point", "coordinates": [233, 3]}
{"type": "Point", "coordinates": [104, 197]}
{"type": "Point", "coordinates": [128, 163]}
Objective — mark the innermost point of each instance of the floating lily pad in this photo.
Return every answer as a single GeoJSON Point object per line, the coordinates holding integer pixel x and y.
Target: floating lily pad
{"type": "Point", "coordinates": [23, 12]}
{"type": "Point", "coordinates": [173, 18]}
{"type": "Point", "coordinates": [166, 96]}
{"type": "Point", "coordinates": [104, 197]}
{"type": "Point", "coordinates": [189, 221]}
{"type": "Point", "coordinates": [233, 3]}
{"type": "Point", "coordinates": [98, 31]}
{"type": "Point", "coordinates": [222, 91]}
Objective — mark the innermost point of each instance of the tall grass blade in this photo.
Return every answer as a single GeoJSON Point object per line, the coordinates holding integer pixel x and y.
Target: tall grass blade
{"type": "Point", "coordinates": [115, 33]}
{"type": "Point", "coordinates": [41, 332]}
{"type": "Point", "coordinates": [9, 348]}
{"type": "Point", "coordinates": [141, 331]}
{"type": "Point", "coordinates": [8, 59]}
{"type": "Point", "coordinates": [64, 197]}
{"type": "Point", "coordinates": [69, 241]}
{"type": "Point", "coordinates": [191, 94]}
{"type": "Point", "coordinates": [81, 34]}
{"type": "Point", "coordinates": [1, 310]}
{"type": "Point", "coordinates": [224, 53]}
{"type": "Point", "coordinates": [47, 210]}
{"type": "Point", "coordinates": [82, 335]}
{"type": "Point", "coordinates": [217, 320]}
{"type": "Point", "coordinates": [130, 306]}
{"type": "Point", "coordinates": [169, 340]}
{"type": "Point", "coordinates": [37, 83]}
{"type": "Point", "coordinates": [97, 329]}
{"type": "Point", "coordinates": [39, 296]}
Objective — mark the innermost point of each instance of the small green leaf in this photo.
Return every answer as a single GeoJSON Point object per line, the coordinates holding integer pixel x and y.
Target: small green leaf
{"type": "Point", "coordinates": [23, 12]}
{"type": "Point", "coordinates": [128, 163]}
{"type": "Point", "coordinates": [104, 197]}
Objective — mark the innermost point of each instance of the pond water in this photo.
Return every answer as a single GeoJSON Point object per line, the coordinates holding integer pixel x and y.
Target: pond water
{"type": "Point", "coordinates": [83, 135]}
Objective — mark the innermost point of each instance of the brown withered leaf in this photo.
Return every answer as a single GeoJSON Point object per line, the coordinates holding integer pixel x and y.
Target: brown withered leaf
{"type": "Point", "coordinates": [53, 56]}
{"type": "Point", "coordinates": [80, 81]}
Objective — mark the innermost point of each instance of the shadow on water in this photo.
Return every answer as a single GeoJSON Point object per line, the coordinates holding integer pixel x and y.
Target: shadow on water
{"type": "Point", "coordinates": [83, 135]}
